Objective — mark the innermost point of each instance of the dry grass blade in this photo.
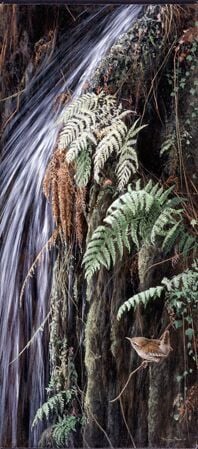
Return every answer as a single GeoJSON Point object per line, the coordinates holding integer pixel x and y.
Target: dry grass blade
{"type": "Point", "coordinates": [143, 365]}
{"type": "Point", "coordinates": [51, 242]}
{"type": "Point", "coordinates": [40, 329]}
{"type": "Point", "coordinates": [80, 214]}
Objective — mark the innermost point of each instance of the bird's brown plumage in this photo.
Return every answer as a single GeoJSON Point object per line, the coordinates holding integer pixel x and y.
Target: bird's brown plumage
{"type": "Point", "coordinates": [152, 350]}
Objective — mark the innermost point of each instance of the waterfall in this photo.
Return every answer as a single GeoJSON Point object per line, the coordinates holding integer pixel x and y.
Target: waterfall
{"type": "Point", "coordinates": [26, 222]}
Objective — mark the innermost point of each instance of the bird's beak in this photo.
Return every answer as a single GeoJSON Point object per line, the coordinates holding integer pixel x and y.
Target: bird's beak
{"type": "Point", "coordinates": [128, 338]}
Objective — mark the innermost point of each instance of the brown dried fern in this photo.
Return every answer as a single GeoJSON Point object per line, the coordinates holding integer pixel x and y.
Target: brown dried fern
{"type": "Point", "coordinates": [66, 199]}
{"type": "Point", "coordinates": [58, 186]}
{"type": "Point", "coordinates": [189, 407]}
{"type": "Point", "coordinates": [80, 213]}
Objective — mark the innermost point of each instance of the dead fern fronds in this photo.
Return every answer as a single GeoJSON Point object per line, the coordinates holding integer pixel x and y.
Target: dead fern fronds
{"type": "Point", "coordinates": [189, 407]}
{"type": "Point", "coordinates": [58, 187]}
{"type": "Point", "coordinates": [80, 214]}
{"type": "Point", "coordinates": [44, 47]}
{"type": "Point", "coordinates": [62, 99]}
{"type": "Point", "coordinates": [51, 173]}
{"type": "Point", "coordinates": [65, 199]}
{"type": "Point", "coordinates": [48, 245]}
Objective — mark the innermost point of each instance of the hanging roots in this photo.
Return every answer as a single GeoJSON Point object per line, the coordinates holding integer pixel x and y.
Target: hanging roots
{"type": "Point", "coordinates": [58, 186]}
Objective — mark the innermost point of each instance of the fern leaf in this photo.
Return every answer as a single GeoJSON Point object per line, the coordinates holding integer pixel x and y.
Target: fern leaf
{"type": "Point", "coordinates": [186, 279]}
{"type": "Point", "coordinates": [135, 217]}
{"type": "Point", "coordinates": [62, 431]}
{"type": "Point", "coordinates": [165, 219]}
{"type": "Point", "coordinates": [162, 195]}
{"type": "Point", "coordinates": [167, 144]}
{"type": "Point", "coordinates": [186, 243]}
{"type": "Point", "coordinates": [134, 233]}
{"type": "Point", "coordinates": [171, 237]}
{"type": "Point", "coordinates": [140, 298]}
{"type": "Point", "coordinates": [75, 127]}
{"type": "Point", "coordinates": [88, 101]}
{"type": "Point", "coordinates": [128, 162]}
{"type": "Point", "coordinates": [54, 405]}
{"type": "Point", "coordinates": [83, 168]}
{"type": "Point", "coordinates": [80, 144]}
{"type": "Point", "coordinates": [97, 252]}
{"type": "Point", "coordinates": [113, 141]}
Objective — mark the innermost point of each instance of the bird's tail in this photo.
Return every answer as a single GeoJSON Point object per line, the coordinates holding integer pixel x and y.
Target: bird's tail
{"type": "Point", "coordinates": [165, 338]}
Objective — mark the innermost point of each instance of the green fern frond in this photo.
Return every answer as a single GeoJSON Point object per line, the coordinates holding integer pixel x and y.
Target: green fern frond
{"type": "Point", "coordinates": [80, 144]}
{"type": "Point", "coordinates": [186, 279]}
{"type": "Point", "coordinates": [167, 144]}
{"type": "Point", "coordinates": [121, 216]}
{"type": "Point", "coordinates": [83, 168]}
{"type": "Point", "coordinates": [187, 242]}
{"type": "Point", "coordinates": [75, 127]}
{"type": "Point", "coordinates": [162, 195]}
{"type": "Point", "coordinates": [107, 102]}
{"type": "Point", "coordinates": [113, 141]}
{"type": "Point", "coordinates": [140, 298]}
{"type": "Point", "coordinates": [136, 217]}
{"type": "Point", "coordinates": [171, 236]}
{"type": "Point", "coordinates": [54, 405]}
{"type": "Point", "coordinates": [129, 205]}
{"type": "Point", "coordinates": [128, 162]}
{"type": "Point", "coordinates": [62, 431]}
{"type": "Point", "coordinates": [88, 101]}
{"type": "Point", "coordinates": [181, 287]}
{"type": "Point", "coordinates": [165, 222]}
{"type": "Point", "coordinates": [99, 251]}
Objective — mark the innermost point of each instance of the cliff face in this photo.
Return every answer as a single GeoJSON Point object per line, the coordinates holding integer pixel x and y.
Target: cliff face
{"type": "Point", "coordinates": [151, 71]}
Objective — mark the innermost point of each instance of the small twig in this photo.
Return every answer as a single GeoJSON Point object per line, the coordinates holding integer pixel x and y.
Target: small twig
{"type": "Point", "coordinates": [12, 96]}
{"type": "Point", "coordinates": [40, 328]}
{"type": "Point", "coordinates": [126, 424]}
{"type": "Point", "coordinates": [31, 270]}
{"type": "Point", "coordinates": [69, 11]}
{"type": "Point", "coordinates": [143, 365]}
{"type": "Point", "coordinates": [100, 427]}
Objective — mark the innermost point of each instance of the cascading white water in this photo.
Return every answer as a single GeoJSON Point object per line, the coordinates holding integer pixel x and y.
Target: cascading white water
{"type": "Point", "coordinates": [26, 222]}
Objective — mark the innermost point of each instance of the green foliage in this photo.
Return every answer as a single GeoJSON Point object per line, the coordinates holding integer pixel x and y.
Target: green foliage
{"type": "Point", "coordinates": [93, 128]}
{"type": "Point", "coordinates": [112, 142]}
{"type": "Point", "coordinates": [128, 161]}
{"type": "Point", "coordinates": [88, 101]}
{"type": "Point", "coordinates": [139, 216]}
{"type": "Point", "coordinates": [80, 145]}
{"type": "Point", "coordinates": [62, 394]}
{"type": "Point", "coordinates": [140, 298]}
{"type": "Point", "coordinates": [54, 406]}
{"type": "Point", "coordinates": [83, 168]}
{"type": "Point", "coordinates": [61, 431]}
{"type": "Point", "coordinates": [168, 144]}
{"type": "Point", "coordinates": [181, 299]}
